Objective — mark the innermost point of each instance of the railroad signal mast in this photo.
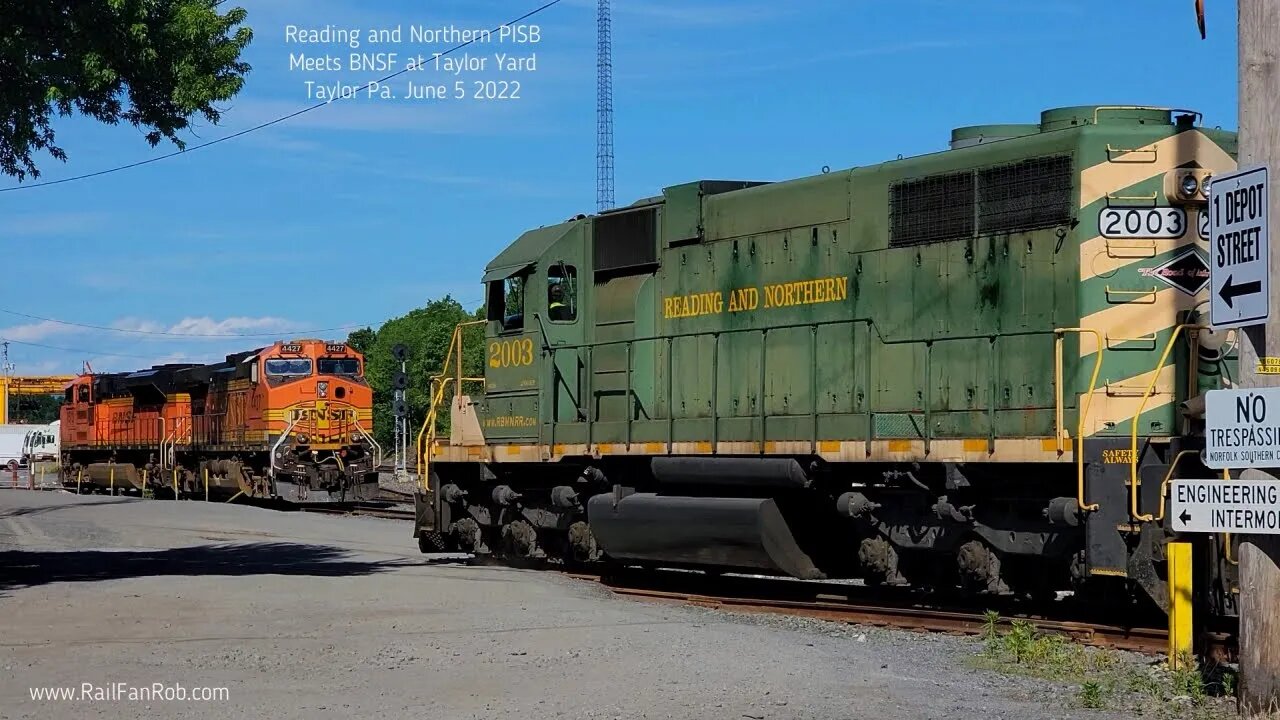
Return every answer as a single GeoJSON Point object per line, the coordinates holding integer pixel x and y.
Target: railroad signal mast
{"type": "Point", "coordinates": [399, 409]}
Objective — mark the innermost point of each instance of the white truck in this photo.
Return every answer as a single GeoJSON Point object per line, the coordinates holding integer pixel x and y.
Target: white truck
{"type": "Point", "coordinates": [20, 445]}
{"type": "Point", "coordinates": [42, 443]}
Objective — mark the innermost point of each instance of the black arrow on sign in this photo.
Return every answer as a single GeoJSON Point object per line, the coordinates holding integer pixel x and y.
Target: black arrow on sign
{"type": "Point", "coordinates": [1184, 517]}
{"type": "Point", "coordinates": [1229, 292]}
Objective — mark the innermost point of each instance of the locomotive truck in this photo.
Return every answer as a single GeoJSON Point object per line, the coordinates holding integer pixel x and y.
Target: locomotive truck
{"type": "Point", "coordinates": [974, 370]}
{"type": "Point", "coordinates": [290, 421]}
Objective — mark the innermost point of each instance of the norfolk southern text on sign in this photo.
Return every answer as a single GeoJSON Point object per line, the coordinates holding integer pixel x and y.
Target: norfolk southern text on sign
{"type": "Point", "coordinates": [1222, 506]}
{"type": "Point", "coordinates": [1242, 428]}
{"type": "Point", "coordinates": [1238, 262]}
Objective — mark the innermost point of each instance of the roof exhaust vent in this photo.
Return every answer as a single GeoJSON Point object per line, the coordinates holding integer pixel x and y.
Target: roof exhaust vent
{"type": "Point", "coordinates": [964, 137]}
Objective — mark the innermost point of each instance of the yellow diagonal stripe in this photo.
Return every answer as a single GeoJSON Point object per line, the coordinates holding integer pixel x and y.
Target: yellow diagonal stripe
{"type": "Point", "coordinates": [1119, 401]}
{"type": "Point", "coordinates": [1137, 319]}
{"type": "Point", "coordinates": [1100, 257]}
{"type": "Point", "coordinates": [1167, 154]}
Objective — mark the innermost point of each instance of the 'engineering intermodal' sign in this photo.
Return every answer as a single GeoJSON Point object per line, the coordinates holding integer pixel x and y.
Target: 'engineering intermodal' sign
{"type": "Point", "coordinates": [1222, 506]}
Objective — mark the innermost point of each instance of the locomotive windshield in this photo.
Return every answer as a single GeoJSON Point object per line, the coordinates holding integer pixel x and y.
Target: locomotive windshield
{"type": "Point", "coordinates": [338, 366]}
{"type": "Point", "coordinates": [281, 366]}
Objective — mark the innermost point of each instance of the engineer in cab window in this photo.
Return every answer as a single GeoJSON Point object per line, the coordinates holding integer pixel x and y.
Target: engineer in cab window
{"type": "Point", "coordinates": [559, 308]}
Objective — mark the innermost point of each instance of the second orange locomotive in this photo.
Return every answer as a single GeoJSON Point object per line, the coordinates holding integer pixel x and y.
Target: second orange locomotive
{"type": "Point", "coordinates": [290, 421]}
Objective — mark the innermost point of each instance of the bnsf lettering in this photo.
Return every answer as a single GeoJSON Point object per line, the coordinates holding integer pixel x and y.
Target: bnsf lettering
{"type": "Point", "coordinates": [314, 414]}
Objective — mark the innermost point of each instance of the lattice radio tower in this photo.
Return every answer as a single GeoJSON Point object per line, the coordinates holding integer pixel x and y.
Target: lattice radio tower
{"type": "Point", "coordinates": [604, 109]}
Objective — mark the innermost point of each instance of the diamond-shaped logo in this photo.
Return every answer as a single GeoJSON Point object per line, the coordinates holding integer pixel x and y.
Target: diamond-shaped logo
{"type": "Point", "coordinates": [1189, 272]}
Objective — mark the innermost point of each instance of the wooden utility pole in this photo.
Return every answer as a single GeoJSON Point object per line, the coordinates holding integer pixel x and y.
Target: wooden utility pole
{"type": "Point", "coordinates": [1259, 135]}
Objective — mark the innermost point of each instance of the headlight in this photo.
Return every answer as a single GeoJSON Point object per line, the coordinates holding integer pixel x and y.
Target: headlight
{"type": "Point", "coordinates": [1190, 185]}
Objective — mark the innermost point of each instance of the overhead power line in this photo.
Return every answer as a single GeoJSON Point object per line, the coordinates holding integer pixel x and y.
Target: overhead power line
{"type": "Point", "coordinates": [269, 333]}
{"type": "Point", "coordinates": [77, 350]}
{"type": "Point", "coordinates": [269, 123]}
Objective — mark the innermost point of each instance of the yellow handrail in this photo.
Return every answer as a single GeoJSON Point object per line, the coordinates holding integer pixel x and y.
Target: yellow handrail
{"type": "Point", "coordinates": [437, 397]}
{"type": "Point", "coordinates": [1226, 537]}
{"type": "Point", "coordinates": [1164, 484]}
{"type": "Point", "coordinates": [1084, 411]}
{"type": "Point", "coordinates": [1133, 431]}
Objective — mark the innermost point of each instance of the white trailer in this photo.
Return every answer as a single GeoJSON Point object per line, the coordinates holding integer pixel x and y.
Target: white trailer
{"type": "Point", "coordinates": [12, 441]}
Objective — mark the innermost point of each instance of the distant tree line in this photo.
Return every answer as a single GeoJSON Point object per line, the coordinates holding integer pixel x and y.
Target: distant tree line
{"type": "Point", "coordinates": [34, 409]}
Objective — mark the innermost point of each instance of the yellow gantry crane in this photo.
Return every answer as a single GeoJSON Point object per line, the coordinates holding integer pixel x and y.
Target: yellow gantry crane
{"type": "Point", "coordinates": [29, 385]}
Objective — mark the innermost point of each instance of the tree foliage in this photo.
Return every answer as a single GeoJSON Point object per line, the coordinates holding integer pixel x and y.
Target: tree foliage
{"type": "Point", "coordinates": [154, 64]}
{"type": "Point", "coordinates": [426, 332]}
{"type": "Point", "coordinates": [34, 409]}
{"type": "Point", "coordinates": [361, 340]}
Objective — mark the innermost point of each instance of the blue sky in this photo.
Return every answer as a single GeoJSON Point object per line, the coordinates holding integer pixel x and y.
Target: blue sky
{"type": "Point", "coordinates": [365, 209]}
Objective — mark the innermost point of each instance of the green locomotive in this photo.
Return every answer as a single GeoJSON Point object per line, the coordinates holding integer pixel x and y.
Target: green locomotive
{"type": "Point", "coordinates": [942, 371]}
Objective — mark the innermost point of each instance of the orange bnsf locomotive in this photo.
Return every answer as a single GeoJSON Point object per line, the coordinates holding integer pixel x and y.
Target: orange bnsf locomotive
{"type": "Point", "coordinates": [292, 421]}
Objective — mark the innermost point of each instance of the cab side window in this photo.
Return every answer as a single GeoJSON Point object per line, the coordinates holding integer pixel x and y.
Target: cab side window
{"type": "Point", "coordinates": [562, 295]}
{"type": "Point", "coordinates": [506, 302]}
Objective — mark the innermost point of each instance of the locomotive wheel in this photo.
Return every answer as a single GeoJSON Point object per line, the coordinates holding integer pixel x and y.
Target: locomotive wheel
{"type": "Point", "coordinates": [466, 535]}
{"type": "Point", "coordinates": [582, 543]}
{"type": "Point", "coordinates": [519, 539]}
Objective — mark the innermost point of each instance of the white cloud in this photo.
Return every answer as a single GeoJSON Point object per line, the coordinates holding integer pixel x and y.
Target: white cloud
{"type": "Point", "coordinates": [204, 326]}
{"type": "Point", "coordinates": [34, 332]}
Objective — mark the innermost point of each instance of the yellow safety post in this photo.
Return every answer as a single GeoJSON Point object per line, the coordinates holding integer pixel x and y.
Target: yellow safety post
{"type": "Point", "coordinates": [41, 475]}
{"type": "Point", "coordinates": [1180, 627]}
{"type": "Point", "coordinates": [145, 490]}
{"type": "Point", "coordinates": [206, 484]}
{"type": "Point", "coordinates": [79, 477]}
{"type": "Point", "coordinates": [113, 479]}
{"type": "Point", "coordinates": [175, 483]}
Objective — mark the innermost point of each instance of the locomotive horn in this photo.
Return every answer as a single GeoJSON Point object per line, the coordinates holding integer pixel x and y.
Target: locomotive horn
{"type": "Point", "coordinates": [1193, 407]}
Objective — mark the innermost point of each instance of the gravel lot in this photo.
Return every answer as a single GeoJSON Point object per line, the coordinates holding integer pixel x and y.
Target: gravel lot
{"type": "Point", "coordinates": [317, 616]}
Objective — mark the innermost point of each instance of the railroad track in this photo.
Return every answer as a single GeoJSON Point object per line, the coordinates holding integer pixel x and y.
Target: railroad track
{"type": "Point", "coordinates": [852, 605]}
{"type": "Point", "coordinates": [362, 509]}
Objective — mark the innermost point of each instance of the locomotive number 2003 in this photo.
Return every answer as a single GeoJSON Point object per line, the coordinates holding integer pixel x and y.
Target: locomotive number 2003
{"type": "Point", "coordinates": [1152, 222]}
{"type": "Point", "coordinates": [511, 353]}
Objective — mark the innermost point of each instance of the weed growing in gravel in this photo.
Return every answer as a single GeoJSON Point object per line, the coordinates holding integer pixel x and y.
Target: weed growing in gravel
{"type": "Point", "coordinates": [1105, 678]}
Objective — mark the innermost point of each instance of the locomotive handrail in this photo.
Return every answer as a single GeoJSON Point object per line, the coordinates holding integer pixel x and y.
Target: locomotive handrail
{"type": "Point", "coordinates": [1164, 484]}
{"type": "Point", "coordinates": [823, 323]}
{"type": "Point", "coordinates": [1133, 430]}
{"type": "Point", "coordinates": [428, 424]}
{"type": "Point", "coordinates": [377, 458]}
{"type": "Point", "coordinates": [871, 325]}
{"type": "Point", "coordinates": [1082, 411]}
{"type": "Point", "coordinates": [271, 468]}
